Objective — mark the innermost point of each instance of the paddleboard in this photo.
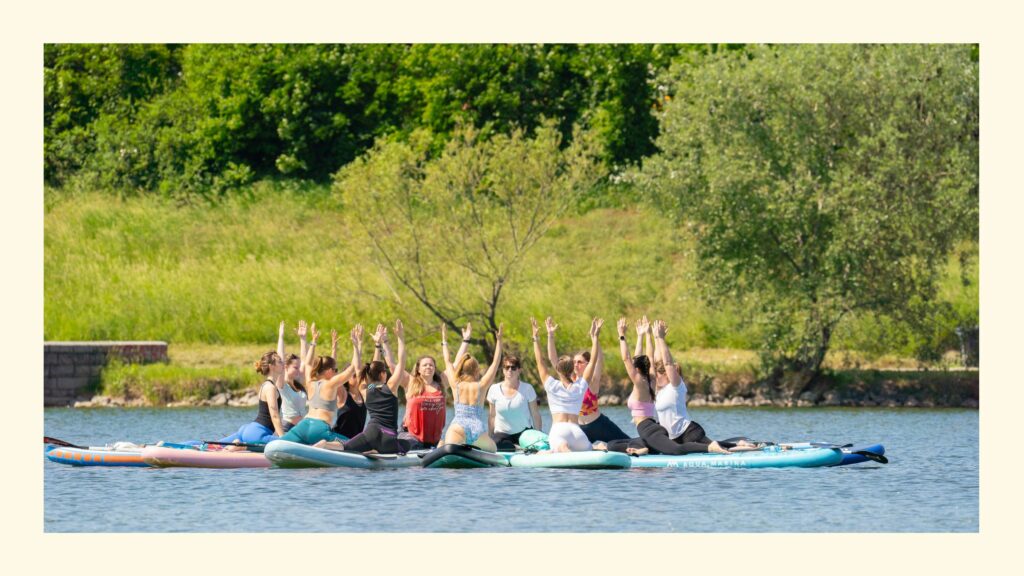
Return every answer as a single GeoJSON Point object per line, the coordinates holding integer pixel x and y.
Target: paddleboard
{"type": "Point", "coordinates": [591, 459]}
{"type": "Point", "coordinates": [462, 456]}
{"type": "Point", "coordinates": [286, 454]}
{"type": "Point", "coordinates": [165, 457]}
{"type": "Point", "coordinates": [770, 457]}
{"type": "Point", "coordinates": [121, 454]}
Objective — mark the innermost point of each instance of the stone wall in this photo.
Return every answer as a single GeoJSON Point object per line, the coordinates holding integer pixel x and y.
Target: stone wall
{"type": "Point", "coordinates": [71, 369]}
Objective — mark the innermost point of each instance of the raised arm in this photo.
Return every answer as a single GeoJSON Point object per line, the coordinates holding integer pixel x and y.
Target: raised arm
{"type": "Point", "coordinates": [624, 351]}
{"type": "Point", "coordinates": [649, 349]}
{"type": "Point", "coordinates": [467, 333]}
{"type": "Point", "coordinates": [595, 348]}
{"type": "Point", "coordinates": [307, 360]}
{"type": "Point", "coordinates": [595, 380]}
{"type": "Point", "coordinates": [550, 325]}
{"type": "Point", "coordinates": [301, 331]}
{"type": "Point", "coordinates": [449, 369]}
{"type": "Point", "coordinates": [356, 335]}
{"type": "Point", "coordinates": [542, 369]}
{"type": "Point", "coordinates": [641, 330]}
{"type": "Point", "coordinates": [280, 340]}
{"type": "Point", "coordinates": [334, 344]}
{"type": "Point", "coordinates": [492, 370]}
{"type": "Point", "coordinates": [398, 376]}
{"type": "Point", "coordinates": [662, 348]}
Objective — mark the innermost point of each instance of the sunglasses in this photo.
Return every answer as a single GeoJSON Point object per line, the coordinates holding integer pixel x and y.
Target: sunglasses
{"type": "Point", "coordinates": [511, 367]}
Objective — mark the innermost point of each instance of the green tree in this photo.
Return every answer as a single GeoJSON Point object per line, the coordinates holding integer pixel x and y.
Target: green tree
{"type": "Point", "coordinates": [452, 231]}
{"type": "Point", "coordinates": [821, 180]}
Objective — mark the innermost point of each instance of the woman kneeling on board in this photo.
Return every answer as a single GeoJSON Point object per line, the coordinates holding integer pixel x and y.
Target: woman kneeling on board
{"type": "Point", "coordinates": [322, 382]}
{"type": "Point", "coordinates": [267, 425]}
{"type": "Point", "coordinates": [672, 432]}
{"type": "Point", "coordinates": [381, 400]}
{"type": "Point", "coordinates": [565, 396]}
{"type": "Point", "coordinates": [469, 390]}
{"type": "Point", "coordinates": [425, 412]}
{"type": "Point", "coordinates": [513, 407]}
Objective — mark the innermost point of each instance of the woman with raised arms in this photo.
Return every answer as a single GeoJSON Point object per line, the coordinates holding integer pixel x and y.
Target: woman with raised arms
{"type": "Point", "coordinates": [322, 382]}
{"type": "Point", "coordinates": [597, 426]}
{"type": "Point", "coordinates": [659, 407]}
{"type": "Point", "coordinates": [380, 393]}
{"type": "Point", "coordinates": [565, 395]}
{"type": "Point", "coordinates": [469, 390]}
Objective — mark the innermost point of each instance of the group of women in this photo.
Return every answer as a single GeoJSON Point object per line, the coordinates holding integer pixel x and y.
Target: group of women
{"type": "Point", "coordinates": [306, 398]}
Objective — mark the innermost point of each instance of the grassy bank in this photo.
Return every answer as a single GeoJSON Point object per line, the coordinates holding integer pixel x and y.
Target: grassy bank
{"type": "Point", "coordinates": [214, 281]}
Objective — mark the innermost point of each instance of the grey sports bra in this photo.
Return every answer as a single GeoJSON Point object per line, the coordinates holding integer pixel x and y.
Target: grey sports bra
{"type": "Point", "coordinates": [315, 401]}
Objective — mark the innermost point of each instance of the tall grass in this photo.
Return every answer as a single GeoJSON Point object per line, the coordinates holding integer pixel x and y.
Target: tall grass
{"type": "Point", "coordinates": [144, 268]}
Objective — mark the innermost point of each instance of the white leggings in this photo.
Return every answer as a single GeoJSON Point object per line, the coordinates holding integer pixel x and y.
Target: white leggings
{"type": "Point", "coordinates": [570, 434]}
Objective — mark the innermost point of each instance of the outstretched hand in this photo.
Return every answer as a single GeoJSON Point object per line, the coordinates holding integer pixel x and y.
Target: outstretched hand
{"type": "Point", "coordinates": [313, 333]}
{"type": "Point", "coordinates": [467, 331]}
{"type": "Point", "coordinates": [300, 330]}
{"type": "Point", "coordinates": [399, 330]}
{"type": "Point", "coordinates": [334, 337]}
{"type": "Point", "coordinates": [660, 329]}
{"type": "Point", "coordinates": [534, 328]}
{"type": "Point", "coordinates": [645, 324]}
{"type": "Point", "coordinates": [444, 333]}
{"type": "Point", "coordinates": [595, 328]}
{"type": "Point", "coordinates": [622, 327]}
{"type": "Point", "coordinates": [550, 325]}
{"type": "Point", "coordinates": [280, 330]}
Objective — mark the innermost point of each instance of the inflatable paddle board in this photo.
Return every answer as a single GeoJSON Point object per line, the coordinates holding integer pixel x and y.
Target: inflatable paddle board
{"type": "Point", "coordinates": [286, 454]}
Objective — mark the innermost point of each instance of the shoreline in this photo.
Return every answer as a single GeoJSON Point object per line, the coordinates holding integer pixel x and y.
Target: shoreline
{"type": "Point", "coordinates": [864, 389]}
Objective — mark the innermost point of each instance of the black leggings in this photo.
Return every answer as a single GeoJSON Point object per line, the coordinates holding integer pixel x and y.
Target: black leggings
{"type": "Point", "coordinates": [507, 442]}
{"type": "Point", "coordinates": [376, 437]}
{"type": "Point", "coordinates": [603, 430]}
{"type": "Point", "coordinates": [655, 438]}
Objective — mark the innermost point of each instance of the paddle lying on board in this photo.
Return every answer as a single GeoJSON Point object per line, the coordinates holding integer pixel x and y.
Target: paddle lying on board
{"type": "Point", "coordinates": [865, 453]}
{"type": "Point", "coordinates": [59, 442]}
{"type": "Point", "coordinates": [250, 447]}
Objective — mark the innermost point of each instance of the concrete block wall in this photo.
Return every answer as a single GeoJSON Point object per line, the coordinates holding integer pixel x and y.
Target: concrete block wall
{"type": "Point", "coordinates": [69, 368]}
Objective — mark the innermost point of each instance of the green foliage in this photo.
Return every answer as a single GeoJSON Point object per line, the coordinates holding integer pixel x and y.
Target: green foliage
{"type": "Point", "coordinates": [822, 181]}
{"type": "Point", "coordinates": [205, 120]}
{"type": "Point", "coordinates": [162, 383]}
{"type": "Point", "coordinates": [452, 231]}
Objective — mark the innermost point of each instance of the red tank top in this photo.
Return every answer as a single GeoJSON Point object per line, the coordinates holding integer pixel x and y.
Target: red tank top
{"type": "Point", "coordinates": [589, 403]}
{"type": "Point", "coordinates": [425, 416]}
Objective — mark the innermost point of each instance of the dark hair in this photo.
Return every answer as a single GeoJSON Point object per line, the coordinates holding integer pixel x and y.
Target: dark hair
{"type": "Point", "coordinates": [585, 354]}
{"type": "Point", "coordinates": [263, 364]}
{"type": "Point", "coordinates": [372, 371]}
{"type": "Point", "coordinates": [512, 361]}
{"type": "Point", "coordinates": [323, 364]}
{"type": "Point", "coordinates": [295, 384]}
{"type": "Point", "coordinates": [643, 365]}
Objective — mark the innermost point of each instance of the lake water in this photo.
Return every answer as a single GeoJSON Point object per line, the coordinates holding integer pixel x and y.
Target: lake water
{"type": "Point", "coordinates": [930, 484]}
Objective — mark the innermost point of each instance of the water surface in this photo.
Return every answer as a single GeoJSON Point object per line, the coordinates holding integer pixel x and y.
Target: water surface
{"type": "Point", "coordinates": [927, 486]}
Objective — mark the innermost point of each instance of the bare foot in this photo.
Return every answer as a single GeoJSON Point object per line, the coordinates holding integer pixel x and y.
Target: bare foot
{"type": "Point", "coordinates": [637, 451]}
{"type": "Point", "coordinates": [716, 448]}
{"type": "Point", "coordinates": [600, 446]}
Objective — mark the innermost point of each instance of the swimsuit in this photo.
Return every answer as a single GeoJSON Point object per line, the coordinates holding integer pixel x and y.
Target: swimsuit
{"type": "Point", "coordinates": [470, 418]}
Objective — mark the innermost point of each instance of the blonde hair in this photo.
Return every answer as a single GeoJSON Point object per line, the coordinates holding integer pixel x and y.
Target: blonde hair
{"type": "Point", "coordinates": [467, 369]}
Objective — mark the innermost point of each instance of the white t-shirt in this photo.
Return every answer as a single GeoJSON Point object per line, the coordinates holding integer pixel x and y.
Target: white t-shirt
{"type": "Point", "coordinates": [670, 402]}
{"type": "Point", "coordinates": [512, 415]}
{"type": "Point", "coordinates": [562, 400]}
{"type": "Point", "coordinates": [293, 403]}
